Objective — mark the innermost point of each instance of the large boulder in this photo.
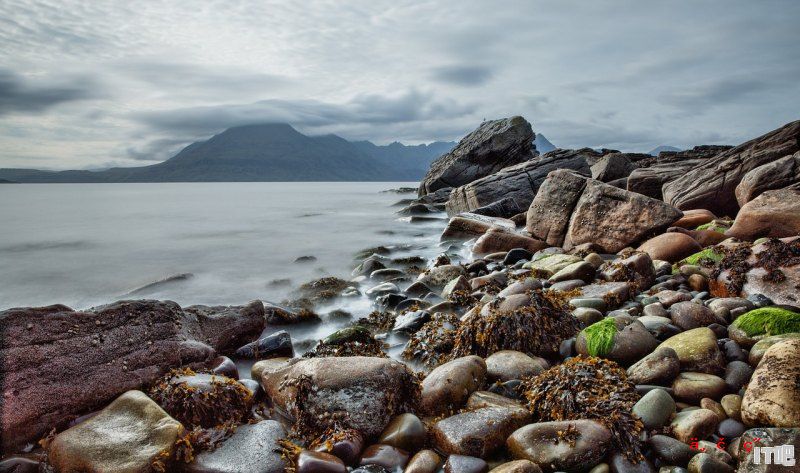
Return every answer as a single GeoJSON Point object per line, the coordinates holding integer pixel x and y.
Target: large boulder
{"type": "Point", "coordinates": [652, 174]}
{"type": "Point", "coordinates": [499, 239]}
{"type": "Point", "coordinates": [58, 364]}
{"type": "Point", "coordinates": [494, 145]}
{"type": "Point", "coordinates": [520, 182]}
{"type": "Point", "coordinates": [781, 173]}
{"type": "Point", "coordinates": [572, 212]}
{"type": "Point", "coordinates": [611, 167]}
{"type": "Point", "coordinates": [252, 448]}
{"type": "Point", "coordinates": [772, 398]}
{"type": "Point", "coordinates": [773, 214]}
{"type": "Point", "coordinates": [469, 225]}
{"type": "Point", "coordinates": [128, 436]}
{"type": "Point", "coordinates": [362, 393]}
{"type": "Point", "coordinates": [712, 184]}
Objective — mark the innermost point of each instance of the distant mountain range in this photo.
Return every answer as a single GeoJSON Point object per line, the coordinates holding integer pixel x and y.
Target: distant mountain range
{"type": "Point", "coordinates": [269, 152]}
{"type": "Point", "coordinates": [655, 151]}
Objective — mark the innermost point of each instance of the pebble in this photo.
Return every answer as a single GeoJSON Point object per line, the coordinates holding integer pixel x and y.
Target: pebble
{"type": "Point", "coordinates": [405, 432]}
{"type": "Point", "coordinates": [655, 408]}
{"type": "Point", "coordinates": [384, 455]}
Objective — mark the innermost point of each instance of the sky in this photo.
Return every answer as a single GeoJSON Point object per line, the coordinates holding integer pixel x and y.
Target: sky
{"type": "Point", "coordinates": [93, 84]}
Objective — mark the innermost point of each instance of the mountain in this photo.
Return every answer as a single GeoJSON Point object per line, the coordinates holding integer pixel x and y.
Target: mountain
{"type": "Point", "coordinates": [543, 145]}
{"type": "Point", "coordinates": [657, 150]}
{"type": "Point", "coordinates": [267, 152]}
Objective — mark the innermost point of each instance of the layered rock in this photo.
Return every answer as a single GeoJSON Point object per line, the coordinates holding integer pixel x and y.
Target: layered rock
{"type": "Point", "coordinates": [651, 175]}
{"type": "Point", "coordinates": [589, 211]}
{"type": "Point", "coordinates": [712, 184]}
{"type": "Point", "coordinates": [58, 363]}
{"type": "Point", "coordinates": [779, 174]}
{"type": "Point", "coordinates": [520, 182]}
{"type": "Point", "coordinates": [494, 145]}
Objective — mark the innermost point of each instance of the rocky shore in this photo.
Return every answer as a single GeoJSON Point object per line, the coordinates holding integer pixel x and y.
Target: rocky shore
{"type": "Point", "coordinates": [617, 312]}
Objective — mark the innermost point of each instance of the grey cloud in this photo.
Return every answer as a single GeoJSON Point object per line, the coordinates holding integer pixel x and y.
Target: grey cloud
{"type": "Point", "coordinates": [20, 94]}
{"type": "Point", "coordinates": [468, 76]}
{"type": "Point", "coordinates": [698, 97]}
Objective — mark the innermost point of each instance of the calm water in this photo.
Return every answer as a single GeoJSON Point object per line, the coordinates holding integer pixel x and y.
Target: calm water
{"type": "Point", "coordinates": [88, 244]}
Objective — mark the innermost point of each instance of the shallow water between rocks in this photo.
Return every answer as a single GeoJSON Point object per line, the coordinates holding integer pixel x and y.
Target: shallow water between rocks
{"type": "Point", "coordinates": [84, 245]}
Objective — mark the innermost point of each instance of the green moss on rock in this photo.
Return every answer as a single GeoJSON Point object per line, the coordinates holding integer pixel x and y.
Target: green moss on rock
{"type": "Point", "coordinates": [768, 321]}
{"type": "Point", "coordinates": [600, 337]}
{"type": "Point", "coordinates": [706, 257]}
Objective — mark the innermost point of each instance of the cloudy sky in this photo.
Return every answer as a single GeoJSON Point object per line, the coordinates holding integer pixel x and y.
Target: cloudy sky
{"type": "Point", "coordinates": [99, 83]}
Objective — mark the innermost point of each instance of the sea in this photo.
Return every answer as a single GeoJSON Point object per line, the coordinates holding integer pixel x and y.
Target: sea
{"type": "Point", "coordinates": [84, 245]}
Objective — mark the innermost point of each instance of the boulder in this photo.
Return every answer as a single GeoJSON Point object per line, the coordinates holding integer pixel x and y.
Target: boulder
{"type": "Point", "coordinates": [504, 208]}
{"type": "Point", "coordinates": [520, 182]}
{"type": "Point", "coordinates": [774, 214]}
{"type": "Point", "coordinates": [477, 433]}
{"type": "Point", "coordinates": [712, 184]}
{"type": "Point", "coordinates": [128, 436]}
{"type": "Point", "coordinates": [772, 398]}
{"type": "Point", "coordinates": [611, 167]}
{"type": "Point", "coordinates": [365, 392]}
{"type": "Point", "coordinates": [252, 447]}
{"type": "Point", "coordinates": [781, 173]}
{"type": "Point", "coordinates": [670, 247]}
{"type": "Point", "coordinates": [114, 348]}
{"type": "Point", "coordinates": [694, 218]}
{"type": "Point", "coordinates": [546, 445]}
{"type": "Point", "coordinates": [549, 212]}
{"type": "Point", "coordinates": [494, 145]}
{"type": "Point", "coordinates": [448, 386]}
{"type": "Point", "coordinates": [498, 239]}
{"type": "Point", "coordinates": [469, 225]}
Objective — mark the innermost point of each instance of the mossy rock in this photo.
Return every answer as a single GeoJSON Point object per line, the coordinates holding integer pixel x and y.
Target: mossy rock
{"type": "Point", "coordinates": [600, 337]}
{"type": "Point", "coordinates": [620, 339]}
{"type": "Point", "coordinates": [706, 257]}
{"type": "Point", "coordinates": [355, 333]}
{"type": "Point", "coordinates": [714, 227]}
{"type": "Point", "coordinates": [552, 264]}
{"type": "Point", "coordinates": [764, 322]}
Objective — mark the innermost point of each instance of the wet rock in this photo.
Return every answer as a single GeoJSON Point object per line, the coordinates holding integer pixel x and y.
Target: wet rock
{"type": "Point", "coordinates": [705, 463]}
{"type": "Point", "coordinates": [732, 405]}
{"type": "Point", "coordinates": [712, 183]}
{"type": "Point", "coordinates": [517, 254]}
{"type": "Point", "coordinates": [619, 339]}
{"type": "Point", "coordinates": [551, 264]}
{"type": "Point", "coordinates": [621, 464]}
{"type": "Point", "coordinates": [506, 365]}
{"type": "Point", "coordinates": [730, 428]}
{"type": "Point", "coordinates": [464, 464]}
{"type": "Point", "coordinates": [319, 462]}
{"type": "Point", "coordinates": [498, 239]}
{"type": "Point", "coordinates": [459, 284]}
{"type": "Point", "coordinates": [517, 466]}
{"type": "Point", "coordinates": [712, 405]}
{"type": "Point", "coordinates": [368, 266]}
{"type": "Point", "coordinates": [448, 386]}
{"type": "Point", "coordinates": [520, 182]}
{"type": "Point", "coordinates": [387, 274]}
{"type": "Point", "coordinates": [116, 348]}
{"type": "Point", "coordinates": [252, 447]}
{"type": "Point", "coordinates": [659, 368]}
{"type": "Point", "coordinates": [737, 375]}
{"type": "Point", "coordinates": [774, 214]}
{"type": "Point", "coordinates": [692, 387]}
{"type": "Point", "coordinates": [688, 315]}
{"type": "Point", "coordinates": [494, 145]}
{"type": "Point", "coordinates": [477, 433]}
{"type": "Point", "coordinates": [224, 366]}
{"type": "Point", "coordinates": [670, 247]}
{"type": "Point", "coordinates": [276, 345]}
{"type": "Point", "coordinates": [383, 288]}
{"type": "Point", "coordinates": [467, 226]}
{"type": "Point", "coordinates": [581, 270]}
{"type": "Point", "coordinates": [668, 297]}
{"type": "Point", "coordinates": [410, 322]}
{"type": "Point", "coordinates": [694, 424]}
{"type": "Point", "coordinates": [654, 408]}
{"type": "Point", "coordinates": [697, 350]}
{"type": "Point", "coordinates": [438, 277]}
{"type": "Point", "coordinates": [565, 446]}
{"type": "Point", "coordinates": [127, 436]}
{"type": "Point", "coordinates": [405, 432]}
{"type": "Point", "coordinates": [636, 268]}
{"type": "Point", "coordinates": [481, 399]}
{"type": "Point", "coordinates": [202, 399]}
{"type": "Point", "coordinates": [384, 455]}
{"type": "Point", "coordinates": [425, 461]}
{"type": "Point", "coordinates": [587, 315]}
{"type": "Point", "coordinates": [612, 294]}
{"type": "Point", "coordinates": [19, 465]}
{"type": "Point", "coordinates": [505, 208]}
{"type": "Point", "coordinates": [694, 218]}
{"type": "Point", "coordinates": [362, 393]}
{"type": "Point", "coordinates": [773, 396]}
{"type": "Point", "coordinates": [345, 445]}
{"type": "Point", "coordinates": [671, 451]}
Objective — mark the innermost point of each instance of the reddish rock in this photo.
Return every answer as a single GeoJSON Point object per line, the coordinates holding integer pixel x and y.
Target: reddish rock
{"type": "Point", "coordinates": [773, 214]}
{"type": "Point", "coordinates": [670, 247]}
{"type": "Point", "coordinates": [498, 239]}
{"type": "Point", "coordinates": [781, 173]}
{"type": "Point", "coordinates": [694, 218]}
{"type": "Point", "coordinates": [58, 363]}
{"type": "Point", "coordinates": [468, 225]}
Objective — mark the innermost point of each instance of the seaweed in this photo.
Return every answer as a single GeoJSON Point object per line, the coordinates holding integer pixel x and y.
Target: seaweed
{"type": "Point", "coordinates": [600, 337]}
{"type": "Point", "coordinates": [706, 258]}
{"type": "Point", "coordinates": [536, 329]}
{"type": "Point", "coordinates": [768, 321]}
{"type": "Point", "coordinates": [589, 388]}
{"type": "Point", "coordinates": [771, 258]}
{"type": "Point", "coordinates": [432, 343]}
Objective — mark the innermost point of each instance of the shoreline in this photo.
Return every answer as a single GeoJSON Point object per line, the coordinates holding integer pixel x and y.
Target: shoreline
{"type": "Point", "coordinates": [595, 328]}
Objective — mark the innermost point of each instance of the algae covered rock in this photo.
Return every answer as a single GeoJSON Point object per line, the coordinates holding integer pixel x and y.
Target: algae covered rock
{"type": "Point", "coordinates": [617, 339]}
{"type": "Point", "coordinates": [574, 445]}
{"type": "Point", "coordinates": [697, 350]}
{"type": "Point", "coordinates": [760, 323]}
{"type": "Point", "coordinates": [129, 436]}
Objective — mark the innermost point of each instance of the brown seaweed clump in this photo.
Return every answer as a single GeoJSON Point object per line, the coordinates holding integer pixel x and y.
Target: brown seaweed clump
{"type": "Point", "coordinates": [537, 329]}
{"type": "Point", "coordinates": [356, 340]}
{"type": "Point", "coordinates": [588, 388]}
{"type": "Point", "coordinates": [323, 289]}
{"type": "Point", "coordinates": [203, 400]}
{"type": "Point", "coordinates": [432, 343]}
{"type": "Point", "coordinates": [738, 261]}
